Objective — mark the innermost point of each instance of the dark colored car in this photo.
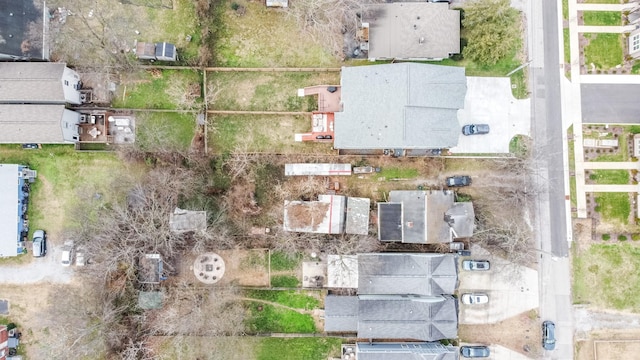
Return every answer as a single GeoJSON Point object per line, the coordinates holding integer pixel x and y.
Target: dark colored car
{"type": "Point", "coordinates": [476, 265]}
{"type": "Point", "coordinates": [458, 180]}
{"type": "Point", "coordinates": [475, 129]}
{"type": "Point", "coordinates": [31, 146]}
{"type": "Point", "coordinates": [548, 335]}
{"type": "Point", "coordinates": [475, 351]}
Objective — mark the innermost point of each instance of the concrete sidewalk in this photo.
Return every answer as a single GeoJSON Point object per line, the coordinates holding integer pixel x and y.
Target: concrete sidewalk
{"type": "Point", "coordinates": [610, 79]}
{"type": "Point", "coordinates": [612, 165]}
{"type": "Point", "coordinates": [606, 29]}
{"type": "Point", "coordinates": [611, 188]}
{"type": "Point", "coordinates": [606, 7]}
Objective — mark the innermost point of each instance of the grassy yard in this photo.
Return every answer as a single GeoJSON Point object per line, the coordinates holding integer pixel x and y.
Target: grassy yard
{"type": "Point", "coordinates": [63, 174]}
{"type": "Point", "coordinates": [167, 130]}
{"type": "Point", "coordinates": [610, 176]}
{"type": "Point", "coordinates": [286, 281]}
{"type": "Point", "coordinates": [572, 166]}
{"type": "Point", "coordinates": [394, 173]}
{"type": "Point", "coordinates": [173, 25]}
{"type": "Point", "coordinates": [261, 133]}
{"type": "Point", "coordinates": [614, 207]}
{"type": "Point", "coordinates": [265, 37]}
{"type": "Point", "coordinates": [604, 50]}
{"type": "Point", "coordinates": [606, 276]}
{"type": "Point", "coordinates": [162, 89]}
{"type": "Point", "coordinates": [266, 91]}
{"type": "Point", "coordinates": [565, 9]}
{"type": "Point", "coordinates": [602, 18]}
{"type": "Point", "coordinates": [298, 299]}
{"type": "Point", "coordinates": [246, 348]}
{"type": "Point", "coordinates": [282, 262]}
{"type": "Point", "coordinates": [610, 158]}
{"type": "Point", "coordinates": [265, 318]}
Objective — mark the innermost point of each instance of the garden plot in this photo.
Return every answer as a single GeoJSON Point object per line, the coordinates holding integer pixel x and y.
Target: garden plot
{"type": "Point", "coordinates": [258, 91]}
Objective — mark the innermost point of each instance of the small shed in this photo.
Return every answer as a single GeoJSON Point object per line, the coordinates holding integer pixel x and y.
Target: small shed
{"type": "Point", "coordinates": [150, 269]}
{"type": "Point", "coordinates": [148, 300]}
{"type": "Point", "coordinates": [162, 51]}
{"type": "Point", "coordinates": [187, 220]}
{"type": "Point", "coordinates": [358, 215]}
{"type": "Point", "coordinates": [317, 169]}
{"type": "Point", "coordinates": [325, 216]}
{"type": "Point", "coordinates": [277, 3]}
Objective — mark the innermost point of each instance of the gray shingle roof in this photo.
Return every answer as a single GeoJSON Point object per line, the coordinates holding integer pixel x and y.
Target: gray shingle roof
{"type": "Point", "coordinates": [44, 124]}
{"type": "Point", "coordinates": [406, 351]}
{"type": "Point", "coordinates": [461, 218]}
{"type": "Point", "coordinates": [33, 82]}
{"type": "Point", "coordinates": [418, 30]}
{"type": "Point", "coordinates": [420, 274]}
{"type": "Point", "coordinates": [341, 313]}
{"type": "Point", "coordinates": [404, 106]}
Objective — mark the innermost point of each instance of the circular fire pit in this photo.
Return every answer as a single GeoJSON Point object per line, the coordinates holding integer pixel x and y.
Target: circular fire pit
{"type": "Point", "coordinates": [208, 268]}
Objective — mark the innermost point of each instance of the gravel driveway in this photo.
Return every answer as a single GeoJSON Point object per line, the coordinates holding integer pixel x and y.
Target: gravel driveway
{"type": "Point", "coordinates": [45, 269]}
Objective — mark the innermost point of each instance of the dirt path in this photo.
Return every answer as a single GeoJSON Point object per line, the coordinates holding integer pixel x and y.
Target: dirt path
{"type": "Point", "coordinates": [587, 320]}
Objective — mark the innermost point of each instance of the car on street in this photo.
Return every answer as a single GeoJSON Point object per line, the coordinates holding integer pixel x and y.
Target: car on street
{"type": "Point", "coordinates": [548, 335]}
{"type": "Point", "coordinates": [475, 129]}
{"type": "Point", "coordinates": [39, 243]}
{"type": "Point", "coordinates": [475, 351]}
{"type": "Point", "coordinates": [458, 180]}
{"type": "Point", "coordinates": [475, 298]}
{"type": "Point", "coordinates": [476, 265]}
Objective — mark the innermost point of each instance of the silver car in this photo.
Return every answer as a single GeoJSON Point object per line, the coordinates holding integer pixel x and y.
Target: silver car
{"type": "Point", "coordinates": [475, 298]}
{"type": "Point", "coordinates": [476, 265]}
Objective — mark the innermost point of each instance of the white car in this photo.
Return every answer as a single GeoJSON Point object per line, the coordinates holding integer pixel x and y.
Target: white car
{"type": "Point", "coordinates": [470, 299]}
{"type": "Point", "coordinates": [67, 256]}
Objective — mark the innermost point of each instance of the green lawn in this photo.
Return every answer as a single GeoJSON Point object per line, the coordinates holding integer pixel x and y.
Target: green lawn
{"type": "Point", "coordinates": [567, 46]}
{"type": "Point", "coordinates": [167, 89]}
{"type": "Point", "coordinates": [565, 9]}
{"type": "Point", "coordinates": [261, 133]}
{"type": "Point", "coordinates": [613, 207]}
{"type": "Point", "coordinates": [266, 91]}
{"type": "Point", "coordinates": [156, 131]}
{"type": "Point", "coordinates": [519, 145]}
{"type": "Point", "coordinates": [299, 348]}
{"type": "Point", "coordinates": [173, 25]}
{"type": "Point", "coordinates": [602, 18]}
{"type": "Point", "coordinates": [285, 281]}
{"type": "Point", "coordinates": [393, 173]}
{"type": "Point", "coordinates": [282, 262]}
{"type": "Point", "coordinates": [63, 174]}
{"type": "Point", "coordinates": [611, 177]}
{"type": "Point", "coordinates": [635, 69]}
{"type": "Point", "coordinates": [609, 158]}
{"type": "Point", "coordinates": [606, 276]}
{"type": "Point", "coordinates": [604, 50]}
{"type": "Point", "coordinates": [265, 37]}
{"type": "Point", "coordinates": [602, 1]}
{"type": "Point", "coordinates": [297, 299]}
{"type": "Point", "coordinates": [572, 166]}
{"type": "Point", "coordinates": [264, 318]}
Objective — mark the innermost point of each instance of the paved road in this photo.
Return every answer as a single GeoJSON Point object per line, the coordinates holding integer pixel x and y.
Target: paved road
{"type": "Point", "coordinates": [610, 103]}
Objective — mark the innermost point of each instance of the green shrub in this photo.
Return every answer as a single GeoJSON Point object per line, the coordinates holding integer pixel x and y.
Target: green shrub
{"type": "Point", "coordinates": [635, 237]}
{"type": "Point", "coordinates": [622, 238]}
{"type": "Point", "coordinates": [606, 237]}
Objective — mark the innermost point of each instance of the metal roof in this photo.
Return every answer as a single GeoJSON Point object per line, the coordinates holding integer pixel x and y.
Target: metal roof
{"type": "Point", "coordinates": [358, 215]}
{"type": "Point", "coordinates": [390, 221]}
{"type": "Point", "coordinates": [396, 273]}
{"type": "Point", "coordinates": [341, 313]}
{"type": "Point", "coordinates": [44, 124]}
{"type": "Point", "coordinates": [416, 30]}
{"type": "Point", "coordinates": [187, 220]}
{"type": "Point", "coordinates": [317, 169]}
{"type": "Point", "coordinates": [400, 106]}
{"type": "Point", "coordinates": [9, 211]}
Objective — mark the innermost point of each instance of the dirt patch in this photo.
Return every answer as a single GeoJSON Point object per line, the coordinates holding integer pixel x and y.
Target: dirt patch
{"type": "Point", "coordinates": [520, 333]}
{"type": "Point", "coordinates": [609, 345]}
{"type": "Point", "coordinates": [242, 268]}
{"type": "Point", "coordinates": [301, 215]}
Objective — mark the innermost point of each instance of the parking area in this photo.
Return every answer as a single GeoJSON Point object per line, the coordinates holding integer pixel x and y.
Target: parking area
{"type": "Point", "coordinates": [489, 101]}
{"type": "Point", "coordinates": [512, 290]}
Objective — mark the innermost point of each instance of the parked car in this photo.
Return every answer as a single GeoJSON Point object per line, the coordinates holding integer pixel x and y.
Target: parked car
{"type": "Point", "coordinates": [31, 146]}
{"type": "Point", "coordinates": [39, 243]}
{"type": "Point", "coordinates": [475, 298]}
{"type": "Point", "coordinates": [437, 1]}
{"type": "Point", "coordinates": [458, 180]}
{"type": "Point", "coordinates": [476, 265]}
{"type": "Point", "coordinates": [67, 256]}
{"type": "Point", "coordinates": [475, 129]}
{"type": "Point", "coordinates": [475, 351]}
{"type": "Point", "coordinates": [548, 335]}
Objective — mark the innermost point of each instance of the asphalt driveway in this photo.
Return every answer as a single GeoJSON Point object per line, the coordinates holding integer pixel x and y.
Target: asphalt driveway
{"type": "Point", "coordinates": [489, 101]}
